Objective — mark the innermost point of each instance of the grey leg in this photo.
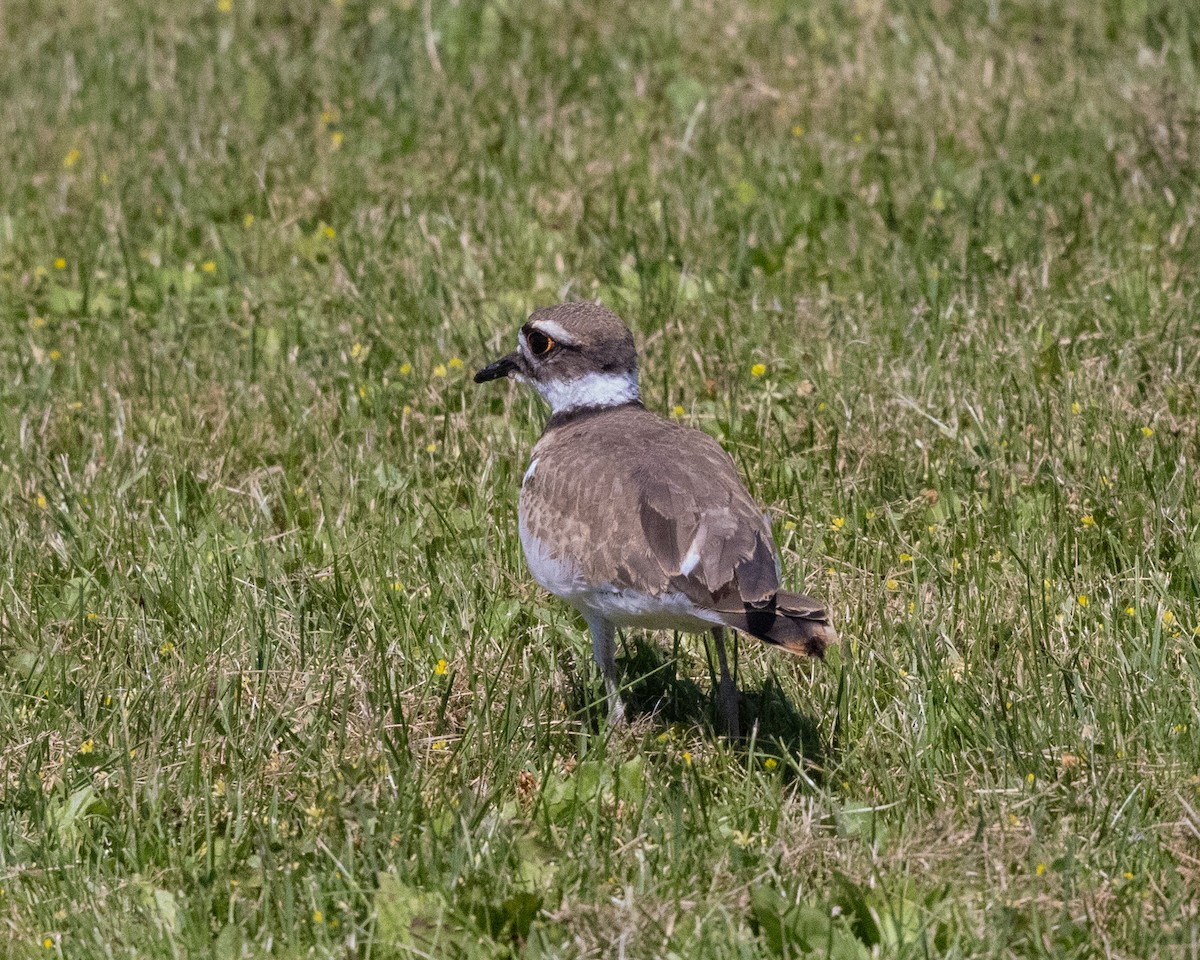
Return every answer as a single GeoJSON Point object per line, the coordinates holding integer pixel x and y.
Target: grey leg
{"type": "Point", "coordinates": [604, 647]}
{"type": "Point", "coordinates": [727, 693]}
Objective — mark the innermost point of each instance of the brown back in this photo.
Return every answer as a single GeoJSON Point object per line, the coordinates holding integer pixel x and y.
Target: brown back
{"type": "Point", "coordinates": [624, 494]}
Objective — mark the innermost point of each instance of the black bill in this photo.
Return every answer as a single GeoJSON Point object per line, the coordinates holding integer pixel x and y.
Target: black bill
{"type": "Point", "coordinates": [501, 368]}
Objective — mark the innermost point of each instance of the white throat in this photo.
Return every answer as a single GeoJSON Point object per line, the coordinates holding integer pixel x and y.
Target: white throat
{"type": "Point", "coordinates": [590, 390]}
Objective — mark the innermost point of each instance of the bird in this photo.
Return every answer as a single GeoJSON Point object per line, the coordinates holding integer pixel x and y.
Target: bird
{"type": "Point", "coordinates": [638, 521]}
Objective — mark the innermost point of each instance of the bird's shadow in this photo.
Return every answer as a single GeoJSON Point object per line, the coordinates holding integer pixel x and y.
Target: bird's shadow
{"type": "Point", "coordinates": [652, 687]}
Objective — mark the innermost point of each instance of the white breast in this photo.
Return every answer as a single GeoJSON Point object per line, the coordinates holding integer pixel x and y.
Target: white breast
{"type": "Point", "coordinates": [556, 574]}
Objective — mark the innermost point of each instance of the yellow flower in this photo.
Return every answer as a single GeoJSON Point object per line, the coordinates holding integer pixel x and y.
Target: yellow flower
{"type": "Point", "coordinates": [871, 514]}
{"type": "Point", "coordinates": [327, 231]}
{"type": "Point", "coordinates": [1041, 869]}
{"type": "Point", "coordinates": [1127, 875]}
{"type": "Point", "coordinates": [1168, 618]}
{"type": "Point", "coordinates": [1147, 431]}
{"type": "Point", "coordinates": [248, 221]}
{"type": "Point", "coordinates": [405, 369]}
{"type": "Point", "coordinates": [1029, 778]}
{"type": "Point", "coordinates": [335, 139]}
{"type": "Point", "coordinates": [837, 523]}
{"type": "Point", "coordinates": [431, 447]}
{"type": "Point", "coordinates": [821, 406]}
{"type": "Point", "coordinates": [362, 393]}
{"type": "Point", "coordinates": [356, 351]}
{"type": "Point", "coordinates": [906, 558]}
{"type": "Point", "coordinates": [61, 264]}
{"type": "Point", "coordinates": [770, 763]}
{"type": "Point", "coordinates": [71, 158]}
{"type": "Point", "coordinates": [797, 131]}
{"type": "Point", "coordinates": [40, 500]}
{"type": "Point", "coordinates": [87, 746]}
{"type": "Point", "coordinates": [37, 323]}
{"type": "Point", "coordinates": [397, 585]}
{"type": "Point", "coordinates": [789, 525]}
{"type": "Point", "coordinates": [225, 5]}
{"type": "Point", "coordinates": [456, 363]}
{"type": "Point", "coordinates": [677, 410]}
{"type": "Point", "coordinates": [439, 745]}
{"type": "Point", "coordinates": [209, 266]}
{"type": "Point", "coordinates": [1014, 820]}
{"type": "Point", "coordinates": [1035, 178]}
{"type": "Point", "coordinates": [165, 648]}
{"type": "Point", "coordinates": [55, 354]}
{"type": "Point", "coordinates": [440, 668]}
{"type": "Point", "coordinates": [1088, 520]}
{"type": "Point", "coordinates": [891, 584]}
{"type": "Point", "coordinates": [1130, 612]}
{"type": "Point", "coordinates": [1075, 407]}
{"type": "Point", "coordinates": [1082, 600]}
{"type": "Point", "coordinates": [955, 565]}
{"type": "Point", "coordinates": [439, 370]}
{"type": "Point", "coordinates": [687, 757]}
{"type": "Point", "coordinates": [48, 943]}
{"type": "Point", "coordinates": [318, 916]}
{"type": "Point", "coordinates": [758, 370]}
{"type": "Point", "coordinates": [329, 115]}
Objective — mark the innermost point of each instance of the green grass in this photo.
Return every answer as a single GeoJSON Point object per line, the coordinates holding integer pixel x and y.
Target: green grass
{"type": "Point", "coordinates": [249, 498]}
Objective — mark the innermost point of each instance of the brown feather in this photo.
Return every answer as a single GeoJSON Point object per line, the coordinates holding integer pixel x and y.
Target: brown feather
{"type": "Point", "coordinates": [589, 472]}
{"type": "Point", "coordinates": [623, 495]}
{"type": "Point", "coordinates": [797, 623]}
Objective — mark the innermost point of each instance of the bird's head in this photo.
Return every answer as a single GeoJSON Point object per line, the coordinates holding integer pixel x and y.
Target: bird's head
{"type": "Point", "coordinates": [576, 355]}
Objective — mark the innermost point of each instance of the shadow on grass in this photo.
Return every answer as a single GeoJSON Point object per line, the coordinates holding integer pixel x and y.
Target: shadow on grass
{"type": "Point", "coordinates": [653, 687]}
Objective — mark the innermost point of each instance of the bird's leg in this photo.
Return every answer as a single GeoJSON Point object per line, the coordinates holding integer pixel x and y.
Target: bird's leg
{"type": "Point", "coordinates": [727, 693]}
{"type": "Point", "coordinates": [604, 647]}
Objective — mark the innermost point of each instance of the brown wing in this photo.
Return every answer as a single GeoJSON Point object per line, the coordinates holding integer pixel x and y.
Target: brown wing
{"type": "Point", "coordinates": [705, 530]}
{"type": "Point", "coordinates": [659, 504]}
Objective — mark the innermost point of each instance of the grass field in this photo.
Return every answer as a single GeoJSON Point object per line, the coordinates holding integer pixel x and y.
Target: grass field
{"type": "Point", "coordinates": [274, 680]}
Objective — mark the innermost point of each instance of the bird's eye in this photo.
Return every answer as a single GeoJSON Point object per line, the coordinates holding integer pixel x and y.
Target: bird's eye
{"type": "Point", "coordinates": [539, 343]}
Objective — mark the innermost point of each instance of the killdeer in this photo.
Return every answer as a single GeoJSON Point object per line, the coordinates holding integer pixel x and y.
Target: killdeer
{"type": "Point", "coordinates": [636, 521]}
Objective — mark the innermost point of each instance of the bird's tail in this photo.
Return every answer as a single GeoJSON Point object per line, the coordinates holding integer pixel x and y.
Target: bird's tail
{"type": "Point", "coordinates": [797, 623]}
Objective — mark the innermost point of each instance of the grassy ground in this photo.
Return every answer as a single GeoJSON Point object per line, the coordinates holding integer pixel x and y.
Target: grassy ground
{"type": "Point", "coordinates": [274, 678]}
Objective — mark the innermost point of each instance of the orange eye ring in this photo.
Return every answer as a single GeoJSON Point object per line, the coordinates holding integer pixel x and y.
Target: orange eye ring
{"type": "Point", "coordinates": [539, 343]}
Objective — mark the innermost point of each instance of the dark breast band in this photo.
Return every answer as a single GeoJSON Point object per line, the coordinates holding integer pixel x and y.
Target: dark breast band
{"type": "Point", "coordinates": [580, 414]}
